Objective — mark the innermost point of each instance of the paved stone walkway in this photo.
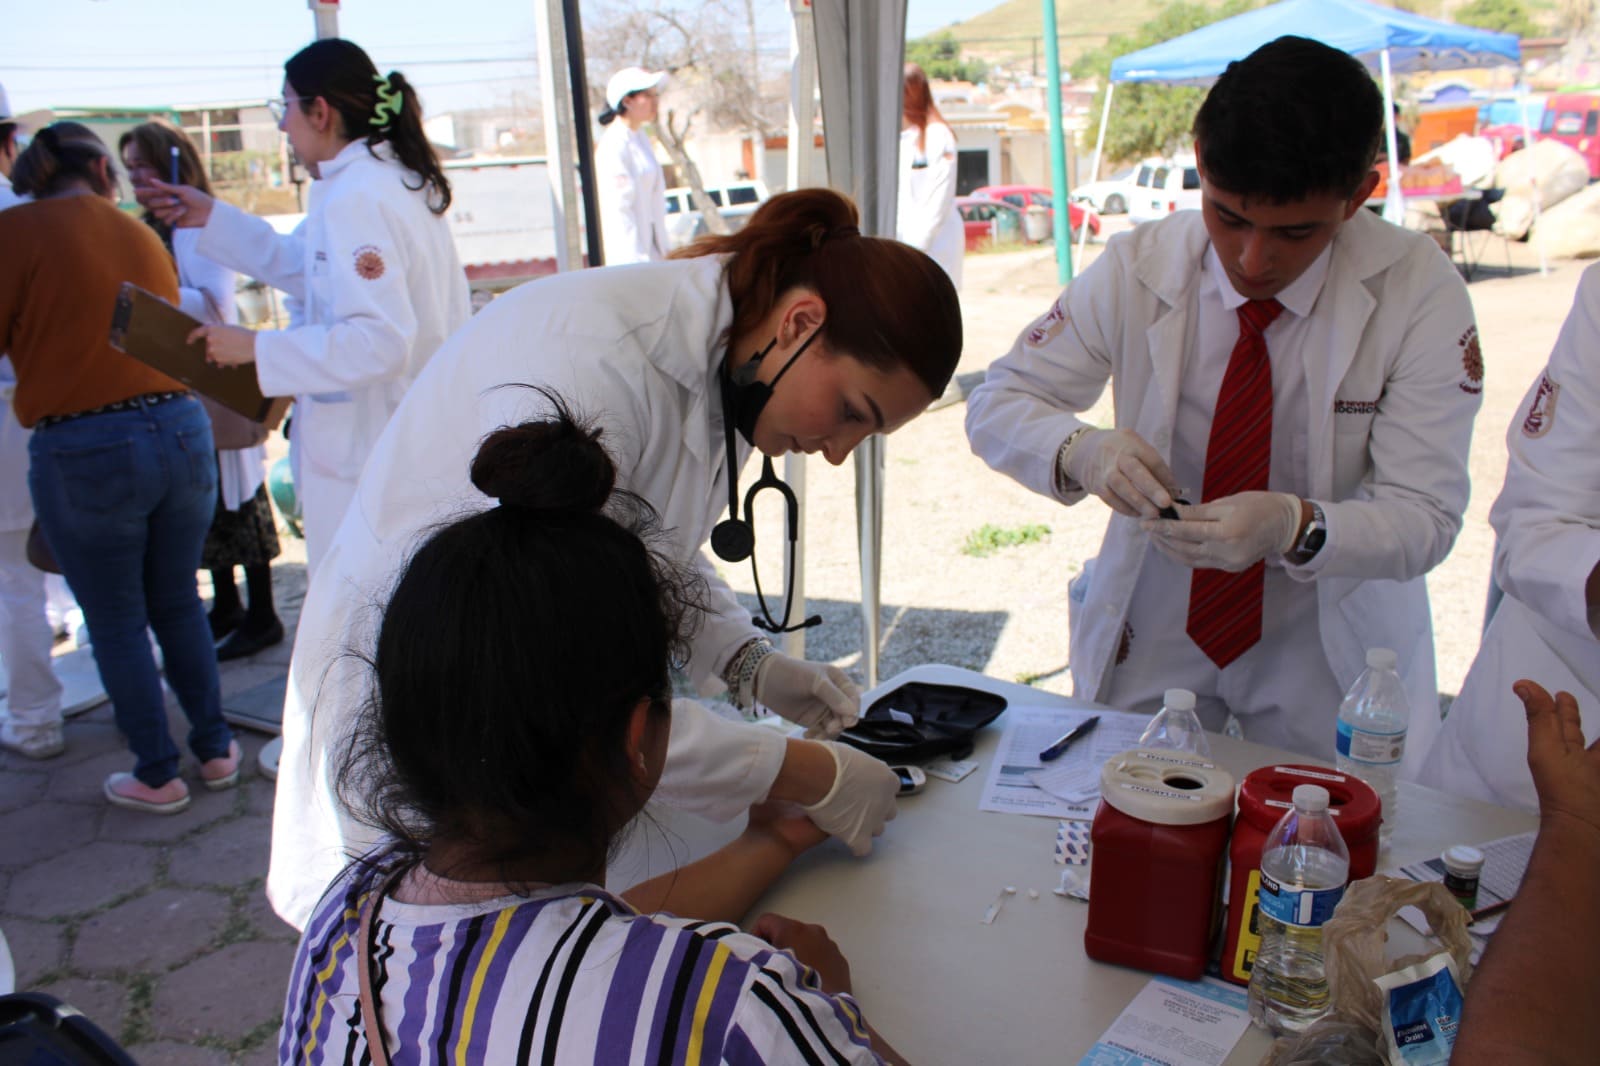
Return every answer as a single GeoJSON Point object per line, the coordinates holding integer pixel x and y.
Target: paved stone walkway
{"type": "Point", "coordinates": [156, 928]}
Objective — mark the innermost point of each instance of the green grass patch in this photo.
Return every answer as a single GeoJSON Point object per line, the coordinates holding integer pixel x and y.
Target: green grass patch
{"type": "Point", "coordinates": [988, 539]}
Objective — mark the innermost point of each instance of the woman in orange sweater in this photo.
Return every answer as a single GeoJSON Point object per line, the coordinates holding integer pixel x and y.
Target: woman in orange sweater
{"type": "Point", "coordinates": [121, 465]}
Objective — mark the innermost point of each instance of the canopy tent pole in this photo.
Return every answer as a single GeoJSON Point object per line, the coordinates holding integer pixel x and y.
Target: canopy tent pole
{"type": "Point", "coordinates": [1394, 204]}
{"type": "Point", "coordinates": [800, 174]}
{"type": "Point", "coordinates": [1059, 186]}
{"type": "Point", "coordinates": [555, 94]}
{"type": "Point", "coordinates": [860, 52]}
{"type": "Point", "coordinates": [1527, 143]}
{"type": "Point", "coordinates": [1099, 147]}
{"type": "Point", "coordinates": [326, 15]}
{"type": "Point", "coordinates": [577, 74]}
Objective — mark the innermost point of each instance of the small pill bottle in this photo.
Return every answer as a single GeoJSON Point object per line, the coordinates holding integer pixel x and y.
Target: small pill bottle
{"type": "Point", "coordinates": [1462, 867]}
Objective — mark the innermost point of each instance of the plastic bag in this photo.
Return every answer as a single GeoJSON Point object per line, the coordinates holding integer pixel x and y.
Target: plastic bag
{"type": "Point", "coordinates": [1354, 939]}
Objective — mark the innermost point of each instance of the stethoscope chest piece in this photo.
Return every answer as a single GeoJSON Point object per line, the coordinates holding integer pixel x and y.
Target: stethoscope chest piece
{"type": "Point", "coordinates": [733, 540]}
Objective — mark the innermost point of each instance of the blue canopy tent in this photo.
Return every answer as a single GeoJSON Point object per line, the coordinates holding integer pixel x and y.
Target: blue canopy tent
{"type": "Point", "coordinates": [1364, 30]}
{"type": "Point", "coordinates": [1387, 40]}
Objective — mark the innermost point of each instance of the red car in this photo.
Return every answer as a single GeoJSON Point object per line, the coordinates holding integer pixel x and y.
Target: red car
{"type": "Point", "coordinates": [989, 222]}
{"type": "Point", "coordinates": [1023, 197]}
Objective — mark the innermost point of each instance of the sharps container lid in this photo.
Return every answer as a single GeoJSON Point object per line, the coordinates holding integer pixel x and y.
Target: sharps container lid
{"type": "Point", "coordinates": [1167, 787]}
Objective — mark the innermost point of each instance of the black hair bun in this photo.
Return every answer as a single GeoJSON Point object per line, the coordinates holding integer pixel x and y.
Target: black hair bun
{"type": "Point", "coordinates": [551, 464]}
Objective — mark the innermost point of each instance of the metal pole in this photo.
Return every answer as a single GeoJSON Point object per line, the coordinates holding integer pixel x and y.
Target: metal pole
{"type": "Point", "coordinates": [580, 126]}
{"type": "Point", "coordinates": [1099, 146]}
{"type": "Point", "coordinates": [1394, 203]}
{"type": "Point", "coordinates": [556, 99]}
{"type": "Point", "coordinates": [326, 15]}
{"type": "Point", "coordinates": [1058, 150]}
{"type": "Point", "coordinates": [800, 173]}
{"type": "Point", "coordinates": [1527, 143]}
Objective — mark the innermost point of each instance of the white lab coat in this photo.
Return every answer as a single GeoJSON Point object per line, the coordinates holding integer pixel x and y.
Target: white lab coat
{"type": "Point", "coordinates": [382, 288]}
{"type": "Point", "coordinates": [633, 196]}
{"type": "Point", "coordinates": [1547, 521]}
{"type": "Point", "coordinates": [926, 215]}
{"type": "Point", "coordinates": [1393, 384]}
{"type": "Point", "coordinates": [636, 349]}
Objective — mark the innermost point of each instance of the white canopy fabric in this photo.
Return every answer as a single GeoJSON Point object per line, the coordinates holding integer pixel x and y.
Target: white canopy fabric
{"type": "Point", "coordinates": [860, 52]}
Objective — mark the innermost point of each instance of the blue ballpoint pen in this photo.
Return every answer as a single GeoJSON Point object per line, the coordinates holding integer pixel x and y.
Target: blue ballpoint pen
{"type": "Point", "coordinates": [1055, 750]}
{"type": "Point", "coordinates": [174, 165]}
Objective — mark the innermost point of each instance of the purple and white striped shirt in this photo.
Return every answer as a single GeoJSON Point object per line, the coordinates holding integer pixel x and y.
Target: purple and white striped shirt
{"type": "Point", "coordinates": [570, 974]}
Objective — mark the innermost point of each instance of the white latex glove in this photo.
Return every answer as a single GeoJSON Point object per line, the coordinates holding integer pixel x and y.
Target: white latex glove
{"type": "Point", "coordinates": [861, 800]}
{"type": "Point", "coordinates": [1121, 468]}
{"type": "Point", "coordinates": [815, 695]}
{"type": "Point", "coordinates": [1233, 533]}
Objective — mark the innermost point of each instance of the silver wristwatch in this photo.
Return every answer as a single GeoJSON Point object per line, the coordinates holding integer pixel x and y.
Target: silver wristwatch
{"type": "Point", "coordinates": [1312, 535]}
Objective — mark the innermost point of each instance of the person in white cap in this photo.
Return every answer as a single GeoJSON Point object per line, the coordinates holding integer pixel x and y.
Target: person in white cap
{"type": "Point", "coordinates": [633, 191]}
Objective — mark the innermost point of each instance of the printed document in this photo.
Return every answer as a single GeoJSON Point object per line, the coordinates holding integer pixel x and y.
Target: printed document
{"type": "Point", "coordinates": [1018, 783]}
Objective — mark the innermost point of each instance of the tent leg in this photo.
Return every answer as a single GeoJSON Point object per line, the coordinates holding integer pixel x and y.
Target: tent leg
{"type": "Point", "coordinates": [869, 526]}
{"type": "Point", "coordinates": [1099, 146]}
{"type": "Point", "coordinates": [556, 93]}
{"type": "Point", "coordinates": [1394, 204]}
{"type": "Point", "coordinates": [1527, 143]}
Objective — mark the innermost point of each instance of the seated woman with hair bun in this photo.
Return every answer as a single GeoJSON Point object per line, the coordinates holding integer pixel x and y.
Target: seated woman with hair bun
{"type": "Point", "coordinates": [518, 725]}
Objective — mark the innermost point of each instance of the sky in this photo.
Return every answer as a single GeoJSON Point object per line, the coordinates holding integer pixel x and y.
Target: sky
{"type": "Point", "coordinates": [149, 53]}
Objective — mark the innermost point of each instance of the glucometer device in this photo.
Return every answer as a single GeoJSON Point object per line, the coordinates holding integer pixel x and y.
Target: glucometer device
{"type": "Point", "coordinates": [911, 779]}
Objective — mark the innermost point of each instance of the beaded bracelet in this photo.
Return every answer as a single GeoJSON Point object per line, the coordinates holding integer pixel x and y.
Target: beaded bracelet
{"type": "Point", "coordinates": [740, 673]}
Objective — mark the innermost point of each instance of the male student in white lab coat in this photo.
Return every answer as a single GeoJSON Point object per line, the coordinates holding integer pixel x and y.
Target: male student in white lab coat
{"type": "Point", "coordinates": [632, 188]}
{"type": "Point", "coordinates": [1304, 373]}
{"type": "Point", "coordinates": [1547, 559]}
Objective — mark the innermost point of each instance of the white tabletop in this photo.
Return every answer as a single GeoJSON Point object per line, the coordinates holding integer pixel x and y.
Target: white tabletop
{"type": "Point", "coordinates": [941, 986]}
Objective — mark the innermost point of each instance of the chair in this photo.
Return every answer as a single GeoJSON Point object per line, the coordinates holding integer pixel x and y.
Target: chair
{"type": "Point", "coordinates": [1470, 226]}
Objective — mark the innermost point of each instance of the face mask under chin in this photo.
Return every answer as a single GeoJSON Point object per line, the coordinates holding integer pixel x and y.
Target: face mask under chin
{"type": "Point", "coordinates": [746, 397]}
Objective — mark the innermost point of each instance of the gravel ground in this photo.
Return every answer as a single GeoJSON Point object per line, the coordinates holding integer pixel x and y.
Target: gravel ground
{"type": "Point", "coordinates": [1006, 614]}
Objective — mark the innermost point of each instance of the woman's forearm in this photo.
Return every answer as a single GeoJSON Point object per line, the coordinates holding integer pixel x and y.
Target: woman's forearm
{"type": "Point", "coordinates": [722, 887]}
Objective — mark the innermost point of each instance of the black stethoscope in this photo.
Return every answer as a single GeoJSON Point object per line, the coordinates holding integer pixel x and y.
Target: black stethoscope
{"type": "Point", "coordinates": [734, 539]}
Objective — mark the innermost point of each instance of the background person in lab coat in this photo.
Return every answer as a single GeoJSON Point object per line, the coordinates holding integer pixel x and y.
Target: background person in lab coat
{"type": "Point", "coordinates": [632, 188]}
{"type": "Point", "coordinates": [243, 532]}
{"type": "Point", "coordinates": [864, 332]}
{"type": "Point", "coordinates": [1547, 559]}
{"type": "Point", "coordinates": [1329, 470]}
{"type": "Point", "coordinates": [373, 264]}
{"type": "Point", "coordinates": [32, 726]}
{"type": "Point", "coordinates": [926, 216]}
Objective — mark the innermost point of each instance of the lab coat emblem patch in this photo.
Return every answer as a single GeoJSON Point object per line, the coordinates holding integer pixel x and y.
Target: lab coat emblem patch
{"type": "Point", "coordinates": [1471, 361]}
{"type": "Point", "coordinates": [1048, 327]}
{"type": "Point", "coordinates": [1542, 415]}
{"type": "Point", "coordinates": [369, 262]}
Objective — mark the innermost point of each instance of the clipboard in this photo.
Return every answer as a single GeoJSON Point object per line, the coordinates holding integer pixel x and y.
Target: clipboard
{"type": "Point", "coordinates": [154, 332]}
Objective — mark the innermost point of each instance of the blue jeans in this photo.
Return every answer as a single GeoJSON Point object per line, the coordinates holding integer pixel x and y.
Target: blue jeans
{"type": "Point", "coordinates": [124, 500]}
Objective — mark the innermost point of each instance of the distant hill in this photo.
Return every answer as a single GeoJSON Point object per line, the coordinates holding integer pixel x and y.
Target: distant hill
{"type": "Point", "coordinates": [1012, 31]}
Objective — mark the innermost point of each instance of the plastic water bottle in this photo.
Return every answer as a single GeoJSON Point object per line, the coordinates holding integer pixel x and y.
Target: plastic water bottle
{"type": "Point", "coordinates": [1372, 731]}
{"type": "Point", "coordinates": [1304, 866]}
{"type": "Point", "coordinates": [1175, 726]}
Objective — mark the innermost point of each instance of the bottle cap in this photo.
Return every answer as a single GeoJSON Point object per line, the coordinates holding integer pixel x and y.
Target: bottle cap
{"type": "Point", "coordinates": [1382, 659]}
{"type": "Point", "coordinates": [1463, 860]}
{"type": "Point", "coordinates": [1179, 699]}
{"type": "Point", "coordinates": [1310, 798]}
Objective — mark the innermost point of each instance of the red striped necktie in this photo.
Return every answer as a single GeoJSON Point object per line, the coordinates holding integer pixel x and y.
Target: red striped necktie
{"type": "Point", "coordinates": [1225, 608]}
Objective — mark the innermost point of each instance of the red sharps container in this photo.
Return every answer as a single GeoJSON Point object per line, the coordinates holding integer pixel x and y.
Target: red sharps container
{"type": "Point", "coordinates": [1264, 795]}
{"type": "Point", "coordinates": [1159, 838]}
